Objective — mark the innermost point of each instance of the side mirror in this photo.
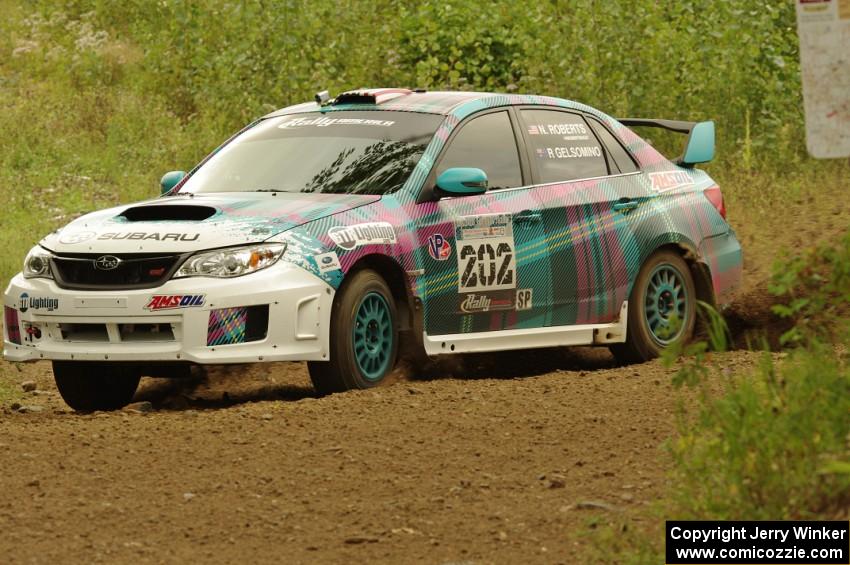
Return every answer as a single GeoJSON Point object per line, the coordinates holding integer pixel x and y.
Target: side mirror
{"type": "Point", "coordinates": [170, 179]}
{"type": "Point", "coordinates": [700, 145]}
{"type": "Point", "coordinates": [462, 181]}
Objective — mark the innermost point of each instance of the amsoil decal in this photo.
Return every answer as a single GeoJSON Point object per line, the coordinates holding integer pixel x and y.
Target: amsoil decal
{"type": "Point", "coordinates": [170, 301]}
{"type": "Point", "coordinates": [327, 262]}
{"type": "Point", "coordinates": [349, 237]}
{"type": "Point", "coordinates": [37, 303]}
{"type": "Point", "coordinates": [138, 235]}
{"type": "Point", "coordinates": [439, 248]}
{"type": "Point", "coordinates": [668, 180]}
{"type": "Point", "coordinates": [474, 303]}
{"type": "Point", "coordinates": [486, 259]}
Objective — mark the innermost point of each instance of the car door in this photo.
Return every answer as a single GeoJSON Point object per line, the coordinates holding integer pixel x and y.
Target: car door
{"type": "Point", "coordinates": [588, 246]}
{"type": "Point", "coordinates": [475, 277]}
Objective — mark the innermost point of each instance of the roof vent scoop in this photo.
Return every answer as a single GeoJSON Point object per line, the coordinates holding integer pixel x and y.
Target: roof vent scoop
{"type": "Point", "coordinates": [168, 212]}
{"type": "Point", "coordinates": [323, 98]}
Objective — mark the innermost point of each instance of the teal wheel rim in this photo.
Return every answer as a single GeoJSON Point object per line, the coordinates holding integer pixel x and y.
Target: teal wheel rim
{"type": "Point", "coordinates": [666, 304]}
{"type": "Point", "coordinates": [373, 336]}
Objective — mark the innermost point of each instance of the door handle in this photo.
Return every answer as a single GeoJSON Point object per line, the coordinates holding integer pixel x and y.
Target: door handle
{"type": "Point", "coordinates": [527, 216]}
{"type": "Point", "coordinates": [625, 205]}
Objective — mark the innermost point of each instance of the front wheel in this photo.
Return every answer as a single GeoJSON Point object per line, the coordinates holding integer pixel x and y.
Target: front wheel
{"type": "Point", "coordinates": [363, 336]}
{"type": "Point", "coordinates": [662, 308]}
{"type": "Point", "coordinates": [87, 386]}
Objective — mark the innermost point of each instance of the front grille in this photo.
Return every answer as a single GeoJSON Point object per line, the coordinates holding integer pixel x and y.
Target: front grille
{"type": "Point", "coordinates": [134, 270]}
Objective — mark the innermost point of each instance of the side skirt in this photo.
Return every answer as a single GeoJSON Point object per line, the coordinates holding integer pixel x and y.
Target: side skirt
{"type": "Point", "coordinates": [554, 336]}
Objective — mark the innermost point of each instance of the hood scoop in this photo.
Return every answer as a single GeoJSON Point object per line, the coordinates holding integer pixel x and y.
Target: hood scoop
{"type": "Point", "coordinates": [168, 212]}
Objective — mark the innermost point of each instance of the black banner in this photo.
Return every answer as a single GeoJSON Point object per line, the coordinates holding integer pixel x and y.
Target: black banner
{"type": "Point", "coordinates": [763, 543]}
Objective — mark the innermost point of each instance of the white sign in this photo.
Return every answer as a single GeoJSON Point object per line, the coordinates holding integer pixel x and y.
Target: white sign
{"type": "Point", "coordinates": [824, 30]}
{"type": "Point", "coordinates": [485, 253]}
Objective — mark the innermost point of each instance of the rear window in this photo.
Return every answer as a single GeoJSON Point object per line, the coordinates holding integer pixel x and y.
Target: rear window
{"type": "Point", "coordinates": [563, 146]}
{"type": "Point", "coordinates": [622, 159]}
{"type": "Point", "coordinates": [345, 152]}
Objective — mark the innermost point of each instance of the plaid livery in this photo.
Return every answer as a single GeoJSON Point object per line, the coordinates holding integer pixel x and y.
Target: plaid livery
{"type": "Point", "coordinates": [227, 326]}
{"type": "Point", "coordinates": [580, 260]}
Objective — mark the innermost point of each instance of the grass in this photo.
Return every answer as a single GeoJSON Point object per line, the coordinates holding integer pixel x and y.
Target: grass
{"type": "Point", "coordinates": [769, 444]}
{"type": "Point", "coordinates": [98, 102]}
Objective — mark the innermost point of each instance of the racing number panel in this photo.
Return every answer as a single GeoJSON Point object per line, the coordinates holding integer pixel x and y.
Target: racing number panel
{"type": "Point", "coordinates": [516, 257]}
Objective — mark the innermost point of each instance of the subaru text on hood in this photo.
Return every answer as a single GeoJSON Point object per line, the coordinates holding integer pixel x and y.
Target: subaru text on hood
{"type": "Point", "coordinates": [324, 231]}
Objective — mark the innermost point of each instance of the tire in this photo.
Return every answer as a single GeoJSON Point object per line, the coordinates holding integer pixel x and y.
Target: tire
{"type": "Point", "coordinates": [664, 287]}
{"type": "Point", "coordinates": [363, 336]}
{"type": "Point", "coordinates": [88, 386]}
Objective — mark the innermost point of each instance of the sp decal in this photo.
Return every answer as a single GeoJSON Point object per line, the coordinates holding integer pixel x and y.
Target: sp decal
{"type": "Point", "coordinates": [523, 299]}
{"type": "Point", "coordinates": [171, 301]}
{"type": "Point", "coordinates": [439, 248]}
{"type": "Point", "coordinates": [372, 233]}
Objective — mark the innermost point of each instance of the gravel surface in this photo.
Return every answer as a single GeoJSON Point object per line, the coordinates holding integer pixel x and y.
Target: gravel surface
{"type": "Point", "coordinates": [245, 464]}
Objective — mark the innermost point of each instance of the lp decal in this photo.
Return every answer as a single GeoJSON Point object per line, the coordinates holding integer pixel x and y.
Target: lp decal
{"type": "Point", "coordinates": [486, 259]}
{"type": "Point", "coordinates": [438, 247]}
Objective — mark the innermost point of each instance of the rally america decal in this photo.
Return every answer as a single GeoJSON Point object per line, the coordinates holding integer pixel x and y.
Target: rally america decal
{"type": "Point", "coordinates": [486, 258]}
{"type": "Point", "coordinates": [473, 303]}
{"type": "Point", "coordinates": [325, 122]}
{"type": "Point", "coordinates": [171, 301]}
{"type": "Point", "coordinates": [350, 237]}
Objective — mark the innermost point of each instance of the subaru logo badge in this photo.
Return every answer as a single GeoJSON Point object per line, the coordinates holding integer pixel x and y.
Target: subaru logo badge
{"type": "Point", "coordinates": [107, 262]}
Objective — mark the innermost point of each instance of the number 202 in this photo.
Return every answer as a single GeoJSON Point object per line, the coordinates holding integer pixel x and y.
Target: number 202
{"type": "Point", "coordinates": [491, 271]}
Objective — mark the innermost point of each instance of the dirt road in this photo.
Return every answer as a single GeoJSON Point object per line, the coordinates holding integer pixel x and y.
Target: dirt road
{"type": "Point", "coordinates": [248, 465]}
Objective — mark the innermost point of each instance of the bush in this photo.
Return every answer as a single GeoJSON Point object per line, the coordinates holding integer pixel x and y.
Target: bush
{"type": "Point", "coordinates": [764, 450]}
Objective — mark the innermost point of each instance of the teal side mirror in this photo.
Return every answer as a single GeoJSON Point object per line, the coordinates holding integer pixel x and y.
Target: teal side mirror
{"type": "Point", "coordinates": [170, 179]}
{"type": "Point", "coordinates": [462, 181]}
{"type": "Point", "coordinates": [700, 146]}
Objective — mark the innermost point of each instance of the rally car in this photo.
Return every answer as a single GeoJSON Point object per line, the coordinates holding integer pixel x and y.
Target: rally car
{"type": "Point", "coordinates": [321, 232]}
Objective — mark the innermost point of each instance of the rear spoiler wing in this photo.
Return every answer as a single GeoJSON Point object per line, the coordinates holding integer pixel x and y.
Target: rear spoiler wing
{"type": "Point", "coordinates": [699, 147]}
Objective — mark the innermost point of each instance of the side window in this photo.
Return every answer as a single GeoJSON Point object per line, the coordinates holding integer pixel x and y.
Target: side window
{"type": "Point", "coordinates": [563, 146]}
{"type": "Point", "coordinates": [486, 143]}
{"type": "Point", "coordinates": [615, 148]}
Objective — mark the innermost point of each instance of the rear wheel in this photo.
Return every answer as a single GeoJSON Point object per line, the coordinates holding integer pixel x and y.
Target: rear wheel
{"type": "Point", "coordinates": [662, 308]}
{"type": "Point", "coordinates": [90, 385]}
{"type": "Point", "coordinates": [363, 336]}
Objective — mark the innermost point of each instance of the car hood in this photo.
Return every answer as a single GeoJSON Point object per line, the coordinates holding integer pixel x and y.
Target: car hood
{"type": "Point", "coordinates": [192, 222]}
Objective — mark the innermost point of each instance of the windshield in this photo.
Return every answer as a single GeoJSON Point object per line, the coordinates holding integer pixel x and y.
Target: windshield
{"type": "Point", "coordinates": [346, 152]}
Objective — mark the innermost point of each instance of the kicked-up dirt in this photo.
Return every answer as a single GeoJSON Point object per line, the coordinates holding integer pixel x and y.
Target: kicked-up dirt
{"type": "Point", "coordinates": [246, 465]}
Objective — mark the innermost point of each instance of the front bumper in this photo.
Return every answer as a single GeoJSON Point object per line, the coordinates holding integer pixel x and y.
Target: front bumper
{"type": "Point", "coordinates": [114, 325]}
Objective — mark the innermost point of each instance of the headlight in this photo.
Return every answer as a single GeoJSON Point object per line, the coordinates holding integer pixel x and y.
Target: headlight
{"type": "Point", "coordinates": [37, 263]}
{"type": "Point", "coordinates": [232, 262]}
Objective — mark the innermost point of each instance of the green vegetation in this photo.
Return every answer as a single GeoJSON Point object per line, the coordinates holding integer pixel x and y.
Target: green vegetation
{"type": "Point", "coordinates": [771, 444]}
{"type": "Point", "coordinates": [100, 97]}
